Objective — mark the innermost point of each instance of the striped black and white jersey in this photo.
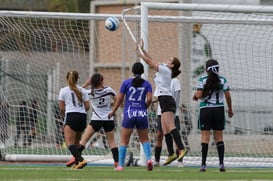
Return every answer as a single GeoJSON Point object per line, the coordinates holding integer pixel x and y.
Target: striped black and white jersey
{"type": "Point", "coordinates": [101, 103]}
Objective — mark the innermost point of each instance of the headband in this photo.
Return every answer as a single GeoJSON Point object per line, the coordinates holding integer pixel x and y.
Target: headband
{"type": "Point", "coordinates": [214, 69]}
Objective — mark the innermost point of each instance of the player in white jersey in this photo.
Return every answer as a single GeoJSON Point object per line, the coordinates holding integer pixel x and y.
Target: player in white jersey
{"type": "Point", "coordinates": [176, 90]}
{"type": "Point", "coordinates": [211, 90]}
{"type": "Point", "coordinates": [73, 105]}
{"type": "Point", "coordinates": [165, 73]}
{"type": "Point", "coordinates": [101, 97]}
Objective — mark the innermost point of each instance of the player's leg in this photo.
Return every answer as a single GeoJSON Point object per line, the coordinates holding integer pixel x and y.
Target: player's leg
{"type": "Point", "coordinates": [104, 140]}
{"type": "Point", "coordinates": [144, 139]}
{"type": "Point", "coordinates": [205, 125]}
{"type": "Point", "coordinates": [125, 137]}
{"type": "Point", "coordinates": [171, 133]}
{"type": "Point", "coordinates": [81, 162]}
{"type": "Point", "coordinates": [109, 127]}
{"type": "Point", "coordinates": [205, 137]}
{"type": "Point", "coordinates": [89, 131]}
{"type": "Point", "coordinates": [218, 135]}
{"type": "Point", "coordinates": [74, 128]}
{"type": "Point", "coordinates": [70, 140]}
{"type": "Point", "coordinates": [168, 108]}
{"type": "Point", "coordinates": [167, 126]}
{"type": "Point", "coordinates": [81, 144]}
{"type": "Point", "coordinates": [218, 127]}
{"type": "Point", "coordinates": [158, 143]}
{"type": "Point", "coordinates": [178, 127]}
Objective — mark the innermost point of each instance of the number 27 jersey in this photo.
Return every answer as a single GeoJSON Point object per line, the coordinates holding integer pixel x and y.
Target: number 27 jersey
{"type": "Point", "coordinates": [135, 96]}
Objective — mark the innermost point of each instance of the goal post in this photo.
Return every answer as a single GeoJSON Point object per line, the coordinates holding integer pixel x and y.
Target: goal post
{"type": "Point", "coordinates": [38, 48]}
{"type": "Point", "coordinates": [228, 33]}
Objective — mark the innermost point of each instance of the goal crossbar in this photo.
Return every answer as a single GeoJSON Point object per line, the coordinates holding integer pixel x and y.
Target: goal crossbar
{"type": "Point", "coordinates": [208, 7]}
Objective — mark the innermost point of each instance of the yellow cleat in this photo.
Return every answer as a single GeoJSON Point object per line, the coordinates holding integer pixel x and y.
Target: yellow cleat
{"type": "Point", "coordinates": [182, 154]}
{"type": "Point", "coordinates": [80, 165]}
{"type": "Point", "coordinates": [170, 159]}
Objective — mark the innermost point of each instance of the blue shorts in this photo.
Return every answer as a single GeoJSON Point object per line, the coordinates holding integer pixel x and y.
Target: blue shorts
{"type": "Point", "coordinates": [135, 119]}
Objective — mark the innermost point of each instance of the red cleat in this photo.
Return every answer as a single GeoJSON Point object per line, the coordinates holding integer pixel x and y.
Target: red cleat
{"type": "Point", "coordinates": [149, 165]}
{"type": "Point", "coordinates": [116, 164]}
{"type": "Point", "coordinates": [71, 162]}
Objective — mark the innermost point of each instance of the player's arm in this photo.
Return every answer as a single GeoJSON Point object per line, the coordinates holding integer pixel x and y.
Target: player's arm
{"type": "Point", "coordinates": [118, 102]}
{"type": "Point", "coordinates": [176, 97]}
{"type": "Point", "coordinates": [149, 98]}
{"type": "Point", "coordinates": [197, 95]}
{"type": "Point", "coordinates": [86, 105]}
{"type": "Point", "coordinates": [86, 83]}
{"type": "Point", "coordinates": [62, 108]}
{"type": "Point", "coordinates": [86, 102]}
{"type": "Point", "coordinates": [229, 103]}
{"type": "Point", "coordinates": [114, 98]}
{"type": "Point", "coordinates": [145, 56]}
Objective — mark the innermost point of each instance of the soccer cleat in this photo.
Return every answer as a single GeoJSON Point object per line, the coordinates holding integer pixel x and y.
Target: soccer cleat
{"type": "Point", "coordinates": [222, 168]}
{"type": "Point", "coordinates": [149, 165]}
{"type": "Point", "coordinates": [119, 168]}
{"type": "Point", "coordinates": [80, 165]}
{"type": "Point", "coordinates": [170, 159]}
{"type": "Point", "coordinates": [116, 164]}
{"type": "Point", "coordinates": [156, 164]}
{"type": "Point", "coordinates": [182, 153]}
{"type": "Point", "coordinates": [203, 168]}
{"type": "Point", "coordinates": [129, 159]}
{"type": "Point", "coordinates": [180, 164]}
{"type": "Point", "coordinates": [71, 162]}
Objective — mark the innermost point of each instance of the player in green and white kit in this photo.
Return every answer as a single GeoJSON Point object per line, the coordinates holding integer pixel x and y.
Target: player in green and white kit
{"type": "Point", "coordinates": [211, 90]}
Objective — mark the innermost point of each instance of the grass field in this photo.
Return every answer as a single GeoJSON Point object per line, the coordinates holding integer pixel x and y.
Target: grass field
{"type": "Point", "coordinates": [42, 172]}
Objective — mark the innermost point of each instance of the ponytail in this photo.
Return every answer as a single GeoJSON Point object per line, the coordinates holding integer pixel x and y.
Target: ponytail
{"type": "Point", "coordinates": [72, 79]}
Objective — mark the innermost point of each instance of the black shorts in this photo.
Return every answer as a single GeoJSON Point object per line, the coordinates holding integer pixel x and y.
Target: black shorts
{"type": "Point", "coordinates": [212, 118]}
{"type": "Point", "coordinates": [159, 126]}
{"type": "Point", "coordinates": [76, 121]}
{"type": "Point", "coordinates": [106, 125]}
{"type": "Point", "coordinates": [167, 104]}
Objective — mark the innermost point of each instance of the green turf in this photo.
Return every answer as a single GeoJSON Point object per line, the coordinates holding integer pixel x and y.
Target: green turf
{"type": "Point", "coordinates": [26, 172]}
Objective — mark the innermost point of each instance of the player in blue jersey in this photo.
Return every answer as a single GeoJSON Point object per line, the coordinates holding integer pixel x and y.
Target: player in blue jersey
{"type": "Point", "coordinates": [73, 105]}
{"type": "Point", "coordinates": [163, 77]}
{"type": "Point", "coordinates": [211, 90]}
{"type": "Point", "coordinates": [138, 97]}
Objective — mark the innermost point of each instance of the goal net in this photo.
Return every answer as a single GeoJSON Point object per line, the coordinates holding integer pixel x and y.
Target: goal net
{"type": "Point", "coordinates": [239, 37]}
{"type": "Point", "coordinates": [37, 49]}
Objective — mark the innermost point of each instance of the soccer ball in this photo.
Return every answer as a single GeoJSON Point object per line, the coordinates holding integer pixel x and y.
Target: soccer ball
{"type": "Point", "coordinates": [111, 23]}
